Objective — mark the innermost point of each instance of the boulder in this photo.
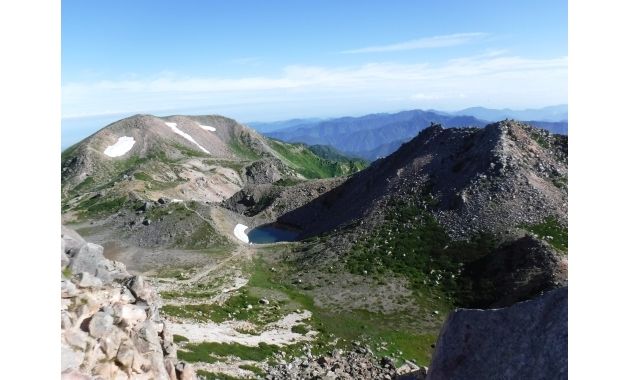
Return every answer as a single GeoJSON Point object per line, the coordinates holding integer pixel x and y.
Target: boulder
{"type": "Point", "coordinates": [101, 325]}
{"type": "Point", "coordinates": [528, 340]}
{"type": "Point", "coordinates": [129, 315]}
{"type": "Point", "coordinates": [141, 289]}
{"type": "Point", "coordinates": [73, 374]}
{"type": "Point", "coordinates": [87, 259]}
{"type": "Point", "coordinates": [68, 289]}
{"type": "Point", "coordinates": [72, 241]}
{"type": "Point", "coordinates": [86, 280]}
{"type": "Point", "coordinates": [109, 370]}
{"type": "Point", "coordinates": [125, 355]}
{"type": "Point", "coordinates": [65, 260]}
{"type": "Point", "coordinates": [110, 343]}
{"type": "Point", "coordinates": [70, 358]}
{"type": "Point", "coordinates": [146, 338]}
{"type": "Point", "coordinates": [76, 338]}
{"type": "Point", "coordinates": [146, 206]}
{"type": "Point", "coordinates": [184, 371]}
{"type": "Point", "coordinates": [169, 366]}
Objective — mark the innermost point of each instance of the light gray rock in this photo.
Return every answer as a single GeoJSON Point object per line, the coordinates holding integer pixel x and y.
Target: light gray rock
{"type": "Point", "coordinates": [70, 358]}
{"type": "Point", "coordinates": [146, 338]}
{"type": "Point", "coordinates": [169, 366]}
{"type": "Point", "coordinates": [73, 374]}
{"type": "Point", "coordinates": [65, 260]}
{"type": "Point", "coordinates": [87, 259]}
{"type": "Point", "coordinates": [66, 320]}
{"type": "Point", "coordinates": [128, 315]}
{"type": "Point", "coordinates": [101, 325]}
{"type": "Point", "coordinates": [141, 289]}
{"type": "Point", "coordinates": [125, 355]}
{"type": "Point", "coordinates": [77, 339]}
{"type": "Point", "coordinates": [72, 241]}
{"type": "Point", "coordinates": [86, 280]}
{"type": "Point", "coordinates": [110, 343]}
{"type": "Point", "coordinates": [68, 289]}
{"type": "Point", "coordinates": [527, 340]}
{"type": "Point", "coordinates": [90, 259]}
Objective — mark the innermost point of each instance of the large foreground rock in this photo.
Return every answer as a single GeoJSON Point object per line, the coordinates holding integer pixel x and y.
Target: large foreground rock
{"type": "Point", "coordinates": [110, 322]}
{"type": "Point", "coordinates": [527, 340]}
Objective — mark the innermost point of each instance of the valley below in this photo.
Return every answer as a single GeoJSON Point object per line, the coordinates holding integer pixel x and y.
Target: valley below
{"type": "Point", "coordinates": [273, 260]}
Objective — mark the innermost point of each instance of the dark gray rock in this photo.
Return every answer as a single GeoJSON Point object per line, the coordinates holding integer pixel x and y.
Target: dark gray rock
{"type": "Point", "coordinates": [517, 271]}
{"type": "Point", "coordinates": [146, 206]}
{"type": "Point", "coordinates": [528, 340]}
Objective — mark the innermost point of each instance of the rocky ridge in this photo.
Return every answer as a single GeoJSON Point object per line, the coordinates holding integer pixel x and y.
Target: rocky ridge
{"type": "Point", "coordinates": [471, 180]}
{"type": "Point", "coordinates": [110, 322]}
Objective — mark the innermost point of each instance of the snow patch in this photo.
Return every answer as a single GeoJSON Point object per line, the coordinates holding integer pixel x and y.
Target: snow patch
{"type": "Point", "coordinates": [176, 201]}
{"type": "Point", "coordinates": [185, 135]}
{"type": "Point", "coordinates": [239, 232]}
{"type": "Point", "coordinates": [278, 333]}
{"type": "Point", "coordinates": [207, 127]}
{"type": "Point", "coordinates": [120, 147]}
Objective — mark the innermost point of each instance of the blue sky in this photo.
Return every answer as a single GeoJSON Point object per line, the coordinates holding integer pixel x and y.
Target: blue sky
{"type": "Point", "coordinates": [271, 60]}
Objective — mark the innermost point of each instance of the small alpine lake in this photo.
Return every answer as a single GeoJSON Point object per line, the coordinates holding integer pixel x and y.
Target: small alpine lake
{"type": "Point", "coordinates": [272, 233]}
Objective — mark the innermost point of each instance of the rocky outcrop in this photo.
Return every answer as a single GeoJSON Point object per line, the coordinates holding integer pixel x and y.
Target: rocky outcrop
{"type": "Point", "coordinates": [110, 322]}
{"type": "Point", "coordinates": [517, 271]}
{"type": "Point", "coordinates": [268, 201]}
{"type": "Point", "coordinates": [528, 340]}
{"type": "Point", "coordinates": [265, 171]}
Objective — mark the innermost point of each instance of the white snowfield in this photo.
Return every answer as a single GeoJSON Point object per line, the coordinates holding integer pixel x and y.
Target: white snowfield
{"type": "Point", "coordinates": [185, 135]}
{"type": "Point", "coordinates": [120, 147]}
{"type": "Point", "coordinates": [239, 232]}
{"type": "Point", "coordinates": [207, 127]}
{"type": "Point", "coordinates": [278, 333]}
{"type": "Point", "coordinates": [176, 200]}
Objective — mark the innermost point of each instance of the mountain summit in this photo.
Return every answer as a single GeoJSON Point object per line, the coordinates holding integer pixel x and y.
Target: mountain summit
{"type": "Point", "coordinates": [201, 158]}
{"type": "Point", "coordinates": [472, 180]}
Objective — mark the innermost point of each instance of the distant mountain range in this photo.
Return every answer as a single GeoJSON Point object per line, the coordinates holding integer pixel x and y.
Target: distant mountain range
{"type": "Point", "coordinates": [378, 135]}
{"type": "Point", "coordinates": [549, 114]}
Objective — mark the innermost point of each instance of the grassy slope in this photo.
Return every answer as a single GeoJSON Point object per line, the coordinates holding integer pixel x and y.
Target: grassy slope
{"type": "Point", "coordinates": [356, 325]}
{"type": "Point", "coordinates": [310, 165]}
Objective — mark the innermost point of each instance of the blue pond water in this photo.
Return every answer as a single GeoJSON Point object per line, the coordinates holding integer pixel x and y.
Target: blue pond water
{"type": "Point", "coordinates": [271, 233]}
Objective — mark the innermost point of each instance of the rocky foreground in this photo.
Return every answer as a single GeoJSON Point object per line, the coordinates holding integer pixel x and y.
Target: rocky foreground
{"type": "Point", "coordinates": [110, 322]}
{"type": "Point", "coordinates": [359, 363]}
{"type": "Point", "coordinates": [528, 340]}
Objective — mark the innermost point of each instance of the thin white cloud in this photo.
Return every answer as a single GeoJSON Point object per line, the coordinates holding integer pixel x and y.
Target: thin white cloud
{"type": "Point", "coordinates": [515, 80]}
{"type": "Point", "coordinates": [422, 43]}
